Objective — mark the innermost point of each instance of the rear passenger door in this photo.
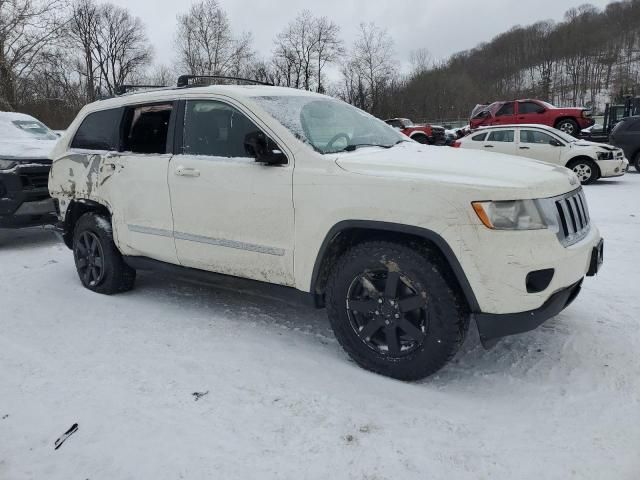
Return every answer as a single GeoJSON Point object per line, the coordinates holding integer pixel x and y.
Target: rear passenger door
{"type": "Point", "coordinates": [231, 214]}
{"type": "Point", "coordinates": [501, 141]}
{"type": "Point", "coordinates": [505, 114]}
{"type": "Point", "coordinates": [134, 182]}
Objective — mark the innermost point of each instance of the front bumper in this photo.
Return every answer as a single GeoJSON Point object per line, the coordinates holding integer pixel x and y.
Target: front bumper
{"type": "Point", "coordinates": [24, 197]}
{"type": "Point", "coordinates": [492, 327]}
{"type": "Point", "coordinates": [613, 168]}
{"type": "Point", "coordinates": [585, 122]}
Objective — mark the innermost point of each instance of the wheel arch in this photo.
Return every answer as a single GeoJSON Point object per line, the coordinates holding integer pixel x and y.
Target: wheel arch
{"type": "Point", "coordinates": [348, 233]}
{"type": "Point", "coordinates": [583, 158]}
{"type": "Point", "coordinates": [75, 210]}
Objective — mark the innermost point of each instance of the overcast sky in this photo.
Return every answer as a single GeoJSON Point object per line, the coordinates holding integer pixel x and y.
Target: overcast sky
{"type": "Point", "coordinates": [442, 26]}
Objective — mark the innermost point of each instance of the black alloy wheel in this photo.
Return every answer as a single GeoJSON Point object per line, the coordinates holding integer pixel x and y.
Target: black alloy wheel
{"type": "Point", "coordinates": [89, 259]}
{"type": "Point", "coordinates": [387, 312]}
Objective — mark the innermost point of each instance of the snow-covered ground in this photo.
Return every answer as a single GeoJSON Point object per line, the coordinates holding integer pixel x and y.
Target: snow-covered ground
{"type": "Point", "coordinates": [283, 399]}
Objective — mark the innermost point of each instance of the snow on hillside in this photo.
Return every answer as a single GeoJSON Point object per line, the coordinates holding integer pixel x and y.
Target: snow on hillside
{"type": "Point", "coordinates": [277, 397]}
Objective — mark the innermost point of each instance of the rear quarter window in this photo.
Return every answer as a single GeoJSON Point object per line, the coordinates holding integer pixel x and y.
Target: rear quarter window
{"type": "Point", "coordinates": [99, 131]}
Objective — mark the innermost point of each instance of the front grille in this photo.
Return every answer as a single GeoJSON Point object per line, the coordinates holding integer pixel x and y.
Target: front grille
{"type": "Point", "coordinates": [35, 180]}
{"type": "Point", "coordinates": [573, 217]}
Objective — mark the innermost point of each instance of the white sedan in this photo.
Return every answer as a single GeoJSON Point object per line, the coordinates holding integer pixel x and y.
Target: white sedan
{"type": "Point", "coordinates": [589, 160]}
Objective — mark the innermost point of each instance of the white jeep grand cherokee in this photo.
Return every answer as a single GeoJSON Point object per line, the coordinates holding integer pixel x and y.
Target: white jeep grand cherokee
{"type": "Point", "coordinates": [402, 242]}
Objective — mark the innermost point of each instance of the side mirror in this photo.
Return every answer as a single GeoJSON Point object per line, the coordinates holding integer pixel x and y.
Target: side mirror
{"type": "Point", "coordinates": [263, 149]}
{"type": "Point", "coordinates": [541, 111]}
{"type": "Point", "coordinates": [555, 143]}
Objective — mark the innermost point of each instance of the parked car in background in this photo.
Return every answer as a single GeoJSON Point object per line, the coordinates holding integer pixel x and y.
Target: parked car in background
{"type": "Point", "coordinates": [427, 134]}
{"type": "Point", "coordinates": [25, 147]}
{"type": "Point", "coordinates": [402, 243]}
{"type": "Point", "coordinates": [527, 111]}
{"type": "Point", "coordinates": [626, 135]}
{"type": "Point", "coordinates": [589, 160]}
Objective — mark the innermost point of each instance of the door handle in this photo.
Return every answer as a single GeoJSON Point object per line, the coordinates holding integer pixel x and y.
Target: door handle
{"type": "Point", "coordinates": [187, 172]}
{"type": "Point", "coordinates": [488, 146]}
{"type": "Point", "coordinates": [524, 148]}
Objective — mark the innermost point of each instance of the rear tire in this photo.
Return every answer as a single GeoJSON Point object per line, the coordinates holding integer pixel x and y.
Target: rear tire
{"type": "Point", "coordinates": [586, 170]}
{"type": "Point", "coordinates": [99, 263]}
{"type": "Point", "coordinates": [568, 126]}
{"type": "Point", "coordinates": [393, 310]}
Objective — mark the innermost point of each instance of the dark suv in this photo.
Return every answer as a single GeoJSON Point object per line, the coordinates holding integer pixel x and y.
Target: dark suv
{"type": "Point", "coordinates": [626, 135]}
{"type": "Point", "coordinates": [25, 144]}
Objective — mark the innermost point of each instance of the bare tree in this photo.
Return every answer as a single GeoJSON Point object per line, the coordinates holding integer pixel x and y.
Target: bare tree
{"type": "Point", "coordinates": [84, 25]}
{"type": "Point", "coordinates": [371, 67]}
{"type": "Point", "coordinates": [27, 29]}
{"type": "Point", "coordinates": [304, 48]}
{"type": "Point", "coordinates": [121, 47]}
{"type": "Point", "coordinates": [206, 45]}
{"type": "Point", "coordinates": [420, 60]}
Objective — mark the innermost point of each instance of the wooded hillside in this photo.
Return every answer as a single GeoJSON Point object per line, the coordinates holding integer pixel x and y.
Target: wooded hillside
{"type": "Point", "coordinates": [584, 60]}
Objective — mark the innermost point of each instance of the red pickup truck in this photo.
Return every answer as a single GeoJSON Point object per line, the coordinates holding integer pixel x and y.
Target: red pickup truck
{"type": "Point", "coordinates": [527, 111]}
{"type": "Point", "coordinates": [429, 134]}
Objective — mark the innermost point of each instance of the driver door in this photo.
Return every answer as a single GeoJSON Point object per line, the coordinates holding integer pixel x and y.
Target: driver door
{"type": "Point", "coordinates": [231, 215]}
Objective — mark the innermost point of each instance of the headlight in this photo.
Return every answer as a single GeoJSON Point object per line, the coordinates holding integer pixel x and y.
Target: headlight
{"type": "Point", "coordinates": [510, 215]}
{"type": "Point", "coordinates": [605, 155]}
{"type": "Point", "coordinates": [7, 164]}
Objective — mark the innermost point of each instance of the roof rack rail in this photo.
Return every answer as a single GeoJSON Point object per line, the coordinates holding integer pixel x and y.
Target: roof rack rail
{"type": "Point", "coordinates": [123, 89]}
{"type": "Point", "coordinates": [196, 80]}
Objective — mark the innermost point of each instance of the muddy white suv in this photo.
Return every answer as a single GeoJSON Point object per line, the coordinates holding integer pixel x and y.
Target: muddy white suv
{"type": "Point", "coordinates": [403, 243]}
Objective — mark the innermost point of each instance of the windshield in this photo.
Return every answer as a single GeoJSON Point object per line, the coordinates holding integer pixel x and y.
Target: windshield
{"type": "Point", "coordinates": [329, 125]}
{"type": "Point", "coordinates": [35, 129]}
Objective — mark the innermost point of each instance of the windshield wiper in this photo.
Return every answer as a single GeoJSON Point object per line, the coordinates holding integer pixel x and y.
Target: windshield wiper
{"type": "Point", "coordinates": [351, 148]}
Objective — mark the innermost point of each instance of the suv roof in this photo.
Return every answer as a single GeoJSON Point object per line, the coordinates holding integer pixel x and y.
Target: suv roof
{"type": "Point", "coordinates": [155, 94]}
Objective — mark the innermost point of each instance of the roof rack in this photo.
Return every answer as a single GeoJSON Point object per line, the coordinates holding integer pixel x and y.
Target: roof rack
{"type": "Point", "coordinates": [185, 81]}
{"type": "Point", "coordinates": [123, 89]}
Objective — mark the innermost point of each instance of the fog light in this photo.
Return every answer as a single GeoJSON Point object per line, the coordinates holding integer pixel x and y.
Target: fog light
{"type": "Point", "coordinates": [538, 280]}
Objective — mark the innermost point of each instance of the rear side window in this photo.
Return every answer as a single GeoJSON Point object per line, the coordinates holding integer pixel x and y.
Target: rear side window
{"type": "Point", "coordinates": [501, 136]}
{"type": "Point", "coordinates": [480, 137]}
{"type": "Point", "coordinates": [530, 107]}
{"type": "Point", "coordinates": [99, 131]}
{"type": "Point", "coordinates": [146, 128]}
{"type": "Point", "coordinates": [506, 109]}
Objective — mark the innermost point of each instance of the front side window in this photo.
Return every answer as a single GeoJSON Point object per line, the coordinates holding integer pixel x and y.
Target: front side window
{"type": "Point", "coordinates": [328, 125]}
{"type": "Point", "coordinates": [501, 136]}
{"type": "Point", "coordinates": [99, 131]}
{"type": "Point", "coordinates": [146, 128]}
{"type": "Point", "coordinates": [535, 136]}
{"type": "Point", "coordinates": [529, 107]}
{"type": "Point", "coordinates": [506, 109]}
{"type": "Point", "coordinates": [217, 129]}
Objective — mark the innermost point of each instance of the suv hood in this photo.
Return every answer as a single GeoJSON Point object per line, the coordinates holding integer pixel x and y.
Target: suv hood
{"type": "Point", "coordinates": [500, 175]}
{"type": "Point", "coordinates": [587, 143]}
{"type": "Point", "coordinates": [26, 149]}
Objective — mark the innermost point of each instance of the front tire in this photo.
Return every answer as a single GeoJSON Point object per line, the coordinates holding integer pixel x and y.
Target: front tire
{"type": "Point", "coordinates": [568, 126]}
{"type": "Point", "coordinates": [393, 310]}
{"type": "Point", "coordinates": [99, 263]}
{"type": "Point", "coordinates": [585, 169]}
